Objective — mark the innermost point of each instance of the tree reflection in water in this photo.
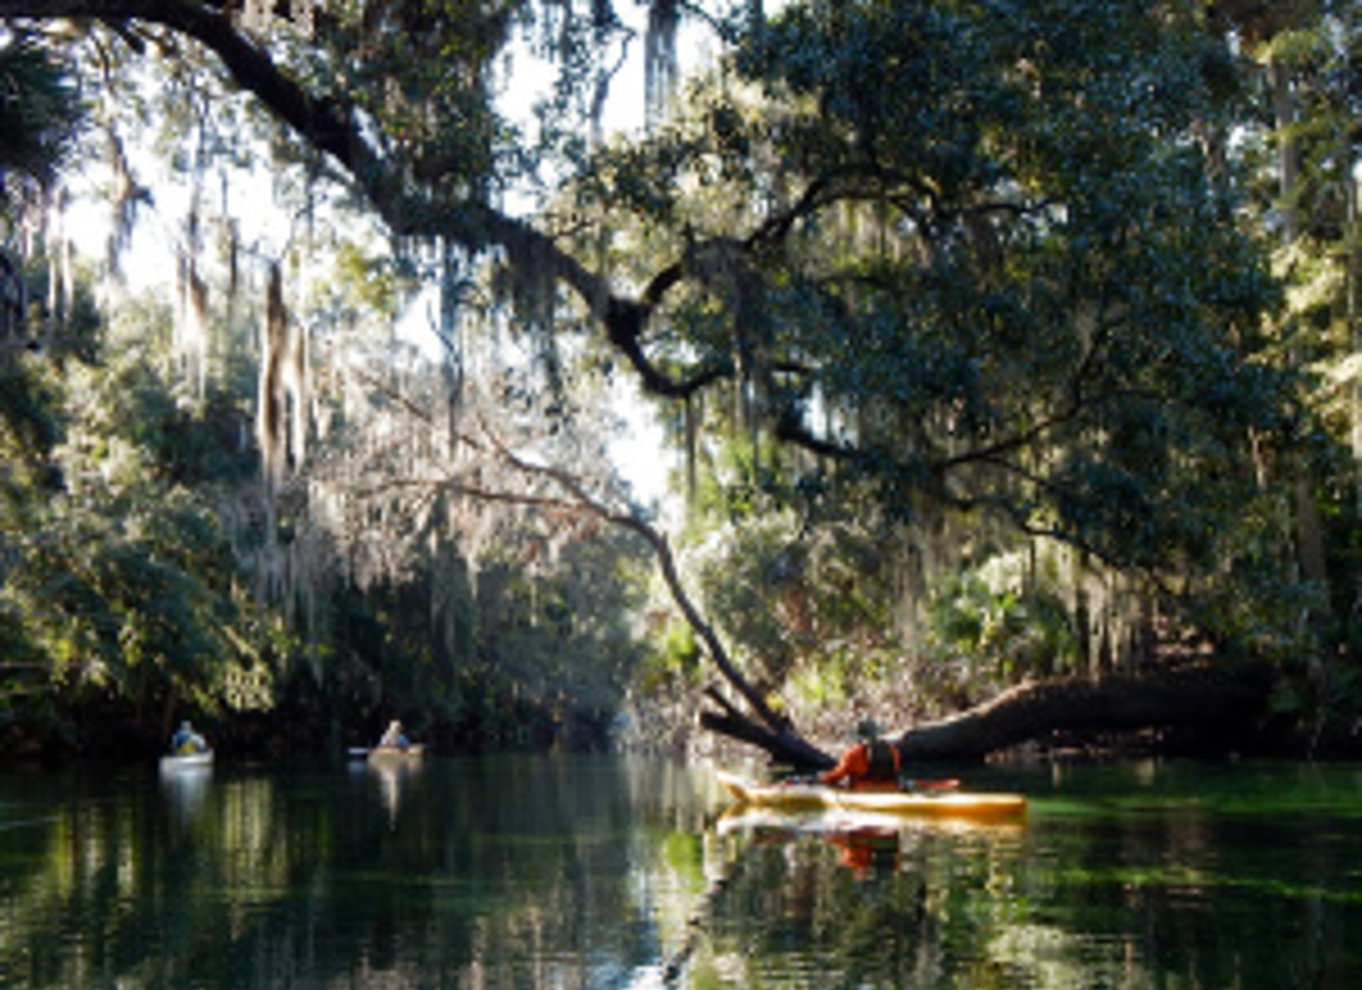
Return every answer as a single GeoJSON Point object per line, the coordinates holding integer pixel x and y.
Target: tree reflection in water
{"type": "Point", "coordinates": [186, 789]}
{"type": "Point", "coordinates": [605, 873]}
{"type": "Point", "coordinates": [840, 899]}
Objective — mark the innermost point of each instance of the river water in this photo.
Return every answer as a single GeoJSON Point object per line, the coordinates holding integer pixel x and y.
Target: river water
{"type": "Point", "coordinates": [605, 872]}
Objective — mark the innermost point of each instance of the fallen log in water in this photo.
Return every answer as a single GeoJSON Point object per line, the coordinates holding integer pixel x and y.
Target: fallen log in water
{"type": "Point", "coordinates": [1226, 699]}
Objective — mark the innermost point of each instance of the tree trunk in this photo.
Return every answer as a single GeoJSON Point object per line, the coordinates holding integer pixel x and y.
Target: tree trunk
{"type": "Point", "coordinates": [1310, 549]}
{"type": "Point", "coordinates": [1227, 700]}
{"type": "Point", "coordinates": [767, 729]}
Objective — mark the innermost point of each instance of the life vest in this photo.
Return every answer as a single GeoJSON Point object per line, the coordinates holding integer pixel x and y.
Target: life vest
{"type": "Point", "coordinates": [883, 759]}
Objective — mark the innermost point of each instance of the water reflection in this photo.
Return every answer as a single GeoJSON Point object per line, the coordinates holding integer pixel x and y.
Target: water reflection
{"type": "Point", "coordinates": [852, 899]}
{"type": "Point", "coordinates": [390, 779]}
{"type": "Point", "coordinates": [865, 842]}
{"type": "Point", "coordinates": [185, 789]}
{"type": "Point", "coordinates": [603, 873]}
{"type": "Point", "coordinates": [867, 851]}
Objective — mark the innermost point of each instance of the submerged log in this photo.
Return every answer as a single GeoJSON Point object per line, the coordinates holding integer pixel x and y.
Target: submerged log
{"type": "Point", "coordinates": [1227, 700]}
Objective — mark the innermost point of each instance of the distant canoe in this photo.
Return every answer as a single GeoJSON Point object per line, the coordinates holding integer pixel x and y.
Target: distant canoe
{"type": "Point", "coordinates": [173, 762]}
{"type": "Point", "coordinates": [387, 754]}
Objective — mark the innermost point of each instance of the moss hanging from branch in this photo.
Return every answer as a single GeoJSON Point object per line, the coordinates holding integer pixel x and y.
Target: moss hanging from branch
{"type": "Point", "coordinates": [128, 196]}
{"type": "Point", "coordinates": [659, 53]}
{"type": "Point", "coordinates": [281, 416]}
{"type": "Point", "coordinates": [191, 325]}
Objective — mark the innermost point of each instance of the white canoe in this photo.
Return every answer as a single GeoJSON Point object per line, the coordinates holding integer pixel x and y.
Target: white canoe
{"type": "Point", "coordinates": [186, 761]}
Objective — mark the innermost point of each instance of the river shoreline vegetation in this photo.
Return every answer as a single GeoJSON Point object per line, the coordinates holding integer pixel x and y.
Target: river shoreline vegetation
{"type": "Point", "coordinates": [1000, 347]}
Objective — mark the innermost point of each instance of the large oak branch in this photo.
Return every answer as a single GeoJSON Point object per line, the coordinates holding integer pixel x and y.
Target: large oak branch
{"type": "Point", "coordinates": [770, 730]}
{"type": "Point", "coordinates": [327, 123]}
{"type": "Point", "coordinates": [1226, 698]}
{"type": "Point", "coordinates": [1228, 701]}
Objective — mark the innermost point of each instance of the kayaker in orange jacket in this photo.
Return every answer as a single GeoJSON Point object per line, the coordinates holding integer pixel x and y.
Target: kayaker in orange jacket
{"type": "Point", "coordinates": [864, 850]}
{"type": "Point", "coordinates": [872, 764]}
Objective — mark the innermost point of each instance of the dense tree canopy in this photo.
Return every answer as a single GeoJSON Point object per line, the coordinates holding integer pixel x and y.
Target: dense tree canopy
{"type": "Point", "coordinates": [986, 287]}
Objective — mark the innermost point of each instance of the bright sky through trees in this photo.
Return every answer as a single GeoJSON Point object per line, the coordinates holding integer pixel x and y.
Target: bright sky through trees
{"type": "Point", "coordinates": [149, 266]}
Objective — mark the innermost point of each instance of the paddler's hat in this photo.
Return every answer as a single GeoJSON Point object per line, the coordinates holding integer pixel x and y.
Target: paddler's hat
{"type": "Point", "coordinates": [868, 729]}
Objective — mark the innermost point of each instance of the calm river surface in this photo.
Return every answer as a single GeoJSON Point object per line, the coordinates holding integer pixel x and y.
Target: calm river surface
{"type": "Point", "coordinates": [599, 872]}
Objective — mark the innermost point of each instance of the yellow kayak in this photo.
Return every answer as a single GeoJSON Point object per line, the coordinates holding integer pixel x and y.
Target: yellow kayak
{"type": "Point", "coordinates": [387, 754]}
{"type": "Point", "coordinates": [936, 804]}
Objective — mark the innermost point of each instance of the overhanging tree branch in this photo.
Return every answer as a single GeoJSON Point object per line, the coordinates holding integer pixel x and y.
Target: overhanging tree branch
{"type": "Point", "coordinates": [331, 125]}
{"type": "Point", "coordinates": [778, 734]}
{"type": "Point", "coordinates": [767, 729]}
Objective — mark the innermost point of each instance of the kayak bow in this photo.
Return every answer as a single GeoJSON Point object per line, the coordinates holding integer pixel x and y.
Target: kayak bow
{"type": "Point", "coordinates": [817, 797]}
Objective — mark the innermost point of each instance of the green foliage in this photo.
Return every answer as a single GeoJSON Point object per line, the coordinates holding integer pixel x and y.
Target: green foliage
{"type": "Point", "coordinates": [754, 583]}
{"type": "Point", "coordinates": [943, 282]}
{"type": "Point", "coordinates": [1083, 287]}
{"type": "Point", "coordinates": [421, 70]}
{"type": "Point", "coordinates": [1021, 291]}
{"type": "Point", "coordinates": [1304, 152]}
{"type": "Point", "coordinates": [673, 664]}
{"type": "Point", "coordinates": [131, 607]}
{"type": "Point", "coordinates": [807, 603]}
{"type": "Point", "coordinates": [562, 640]}
{"type": "Point", "coordinates": [39, 112]}
{"type": "Point", "coordinates": [363, 284]}
{"type": "Point", "coordinates": [998, 623]}
{"type": "Point", "coordinates": [505, 655]}
{"type": "Point", "coordinates": [28, 429]}
{"type": "Point", "coordinates": [119, 582]}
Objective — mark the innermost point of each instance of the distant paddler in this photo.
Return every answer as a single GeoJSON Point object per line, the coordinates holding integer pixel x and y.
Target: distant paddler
{"type": "Point", "coordinates": [186, 741]}
{"type": "Point", "coordinates": [394, 737]}
{"type": "Point", "coordinates": [394, 744]}
{"type": "Point", "coordinates": [188, 748]}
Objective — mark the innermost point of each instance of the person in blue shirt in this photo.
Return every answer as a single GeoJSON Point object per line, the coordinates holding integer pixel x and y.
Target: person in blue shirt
{"type": "Point", "coordinates": [394, 738]}
{"type": "Point", "coordinates": [186, 740]}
